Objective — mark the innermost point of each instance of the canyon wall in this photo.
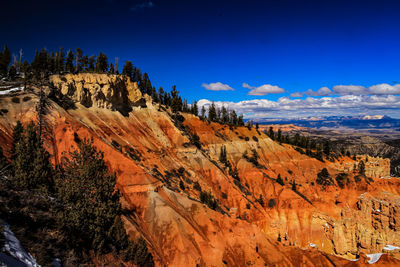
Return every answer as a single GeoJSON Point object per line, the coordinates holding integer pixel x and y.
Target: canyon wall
{"type": "Point", "coordinates": [191, 208]}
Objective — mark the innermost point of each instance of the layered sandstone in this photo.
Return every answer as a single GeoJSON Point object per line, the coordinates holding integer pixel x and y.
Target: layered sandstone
{"type": "Point", "coordinates": [152, 154]}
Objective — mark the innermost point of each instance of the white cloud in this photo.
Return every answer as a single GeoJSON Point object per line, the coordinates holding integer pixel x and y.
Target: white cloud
{"type": "Point", "coordinates": [350, 90]}
{"type": "Point", "coordinates": [323, 91]}
{"type": "Point", "coordinates": [264, 89]}
{"type": "Point", "coordinates": [337, 105]}
{"type": "Point", "coordinates": [385, 89]}
{"type": "Point", "coordinates": [218, 86]}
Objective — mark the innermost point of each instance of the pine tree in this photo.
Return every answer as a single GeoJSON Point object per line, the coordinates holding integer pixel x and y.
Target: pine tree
{"type": "Point", "coordinates": [31, 166]}
{"type": "Point", "coordinates": [212, 113]}
{"type": "Point", "coordinates": [127, 69]}
{"type": "Point", "coordinates": [224, 115]}
{"type": "Point", "coordinates": [91, 63]}
{"type": "Point", "coordinates": [279, 136]}
{"type": "Point", "coordinates": [137, 75]}
{"type": "Point", "coordinates": [101, 63]}
{"type": "Point", "coordinates": [194, 108]}
{"type": "Point", "coordinates": [60, 60]}
{"type": "Point", "coordinates": [17, 136]}
{"type": "Point", "coordinates": [271, 133]}
{"type": "Point", "coordinates": [233, 118]}
{"type": "Point", "coordinates": [85, 189]}
{"type": "Point", "coordinates": [78, 60]}
{"type": "Point", "coordinates": [69, 63]}
{"type": "Point", "coordinates": [111, 70]}
{"type": "Point", "coordinates": [240, 120]}
{"type": "Point", "coordinates": [203, 112]}
{"type": "Point", "coordinates": [12, 72]}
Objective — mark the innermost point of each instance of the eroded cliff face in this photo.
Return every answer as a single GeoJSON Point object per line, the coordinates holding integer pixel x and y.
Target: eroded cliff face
{"type": "Point", "coordinates": [113, 92]}
{"type": "Point", "coordinates": [162, 177]}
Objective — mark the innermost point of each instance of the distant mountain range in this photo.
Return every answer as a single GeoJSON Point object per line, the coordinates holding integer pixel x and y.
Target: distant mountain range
{"type": "Point", "coordinates": [367, 122]}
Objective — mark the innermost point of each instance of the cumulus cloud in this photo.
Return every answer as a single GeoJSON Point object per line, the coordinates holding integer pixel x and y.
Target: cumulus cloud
{"type": "Point", "coordinates": [350, 89]}
{"type": "Point", "coordinates": [323, 91]}
{"type": "Point", "coordinates": [385, 89]}
{"type": "Point", "coordinates": [378, 89]}
{"type": "Point", "coordinates": [263, 89]}
{"type": "Point", "coordinates": [311, 106]}
{"type": "Point", "coordinates": [218, 86]}
{"type": "Point", "coordinates": [142, 5]}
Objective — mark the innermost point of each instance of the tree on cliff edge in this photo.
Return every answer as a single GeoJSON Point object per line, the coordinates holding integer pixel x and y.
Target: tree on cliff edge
{"type": "Point", "coordinates": [101, 63]}
{"type": "Point", "coordinates": [85, 189]}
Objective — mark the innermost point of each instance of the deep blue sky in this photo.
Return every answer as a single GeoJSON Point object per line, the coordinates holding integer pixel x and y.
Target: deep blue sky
{"type": "Point", "coordinates": [296, 45]}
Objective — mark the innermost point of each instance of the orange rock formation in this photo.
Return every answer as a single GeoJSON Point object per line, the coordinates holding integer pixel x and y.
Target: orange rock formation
{"type": "Point", "coordinates": [152, 154]}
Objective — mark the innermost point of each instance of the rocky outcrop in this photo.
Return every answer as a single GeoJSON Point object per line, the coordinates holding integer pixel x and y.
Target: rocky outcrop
{"type": "Point", "coordinates": [163, 178]}
{"type": "Point", "coordinates": [375, 167]}
{"type": "Point", "coordinates": [113, 92]}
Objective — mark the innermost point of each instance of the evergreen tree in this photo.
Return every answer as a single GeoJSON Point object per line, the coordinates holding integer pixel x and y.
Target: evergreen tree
{"type": "Point", "coordinates": [137, 75]}
{"type": "Point", "coordinates": [78, 60]}
{"type": "Point", "coordinates": [111, 70]}
{"type": "Point", "coordinates": [233, 118]}
{"type": "Point", "coordinates": [203, 112]}
{"type": "Point", "coordinates": [240, 120]}
{"type": "Point", "coordinates": [224, 115]}
{"type": "Point", "coordinates": [279, 135]}
{"type": "Point", "coordinates": [85, 189]}
{"type": "Point", "coordinates": [101, 63]}
{"type": "Point", "coordinates": [12, 72]}
{"type": "Point", "coordinates": [85, 63]}
{"type": "Point", "coordinates": [60, 60]}
{"type": "Point", "coordinates": [176, 104]}
{"type": "Point", "coordinates": [69, 63]}
{"type": "Point", "coordinates": [31, 166]}
{"type": "Point", "coordinates": [194, 108]}
{"type": "Point", "coordinates": [271, 133]}
{"type": "Point", "coordinates": [17, 136]}
{"type": "Point", "coordinates": [91, 63]}
{"type": "Point", "coordinates": [51, 63]}
{"type": "Point", "coordinates": [127, 69]}
{"type": "Point", "coordinates": [212, 113]}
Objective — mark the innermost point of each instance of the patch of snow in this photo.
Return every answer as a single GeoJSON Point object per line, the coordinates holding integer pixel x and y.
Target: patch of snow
{"type": "Point", "coordinates": [391, 247]}
{"type": "Point", "coordinates": [15, 249]}
{"type": "Point", "coordinates": [313, 245]}
{"type": "Point", "coordinates": [378, 210]}
{"type": "Point", "coordinates": [374, 257]}
{"type": "Point", "coordinates": [11, 90]}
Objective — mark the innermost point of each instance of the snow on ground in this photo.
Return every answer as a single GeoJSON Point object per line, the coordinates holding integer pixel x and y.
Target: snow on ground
{"type": "Point", "coordinates": [313, 245]}
{"type": "Point", "coordinates": [374, 257]}
{"type": "Point", "coordinates": [391, 247]}
{"type": "Point", "coordinates": [15, 249]}
{"type": "Point", "coordinates": [11, 90]}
